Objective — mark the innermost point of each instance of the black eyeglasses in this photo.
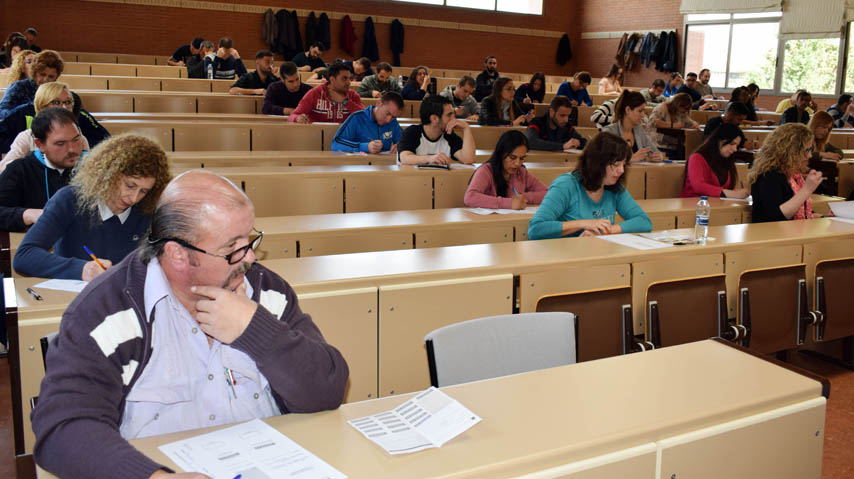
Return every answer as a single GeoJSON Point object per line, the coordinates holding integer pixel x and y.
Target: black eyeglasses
{"type": "Point", "coordinates": [234, 257]}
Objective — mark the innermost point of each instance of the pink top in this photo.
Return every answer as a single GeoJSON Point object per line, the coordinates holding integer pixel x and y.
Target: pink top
{"type": "Point", "coordinates": [481, 191]}
{"type": "Point", "coordinates": [700, 180]}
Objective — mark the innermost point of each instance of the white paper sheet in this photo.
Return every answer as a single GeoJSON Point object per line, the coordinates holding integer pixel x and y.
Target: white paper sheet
{"type": "Point", "coordinates": [843, 220]}
{"type": "Point", "coordinates": [748, 200]}
{"type": "Point", "coordinates": [635, 241]}
{"type": "Point", "coordinates": [253, 450]}
{"type": "Point", "coordinates": [428, 420]}
{"type": "Point", "coordinates": [73, 285]}
{"type": "Point", "coordinates": [668, 236]}
{"type": "Point", "coordinates": [501, 211]}
{"type": "Point", "coordinates": [573, 150]}
{"type": "Point", "coordinates": [842, 209]}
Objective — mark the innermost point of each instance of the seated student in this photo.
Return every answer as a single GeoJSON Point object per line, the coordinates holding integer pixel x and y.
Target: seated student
{"type": "Point", "coordinates": [628, 125]}
{"type": "Point", "coordinates": [434, 140]}
{"type": "Point", "coordinates": [318, 77]}
{"type": "Point", "coordinates": [534, 91]}
{"type": "Point", "coordinates": [674, 113]}
{"type": "Point", "coordinates": [787, 103]}
{"type": "Point", "coordinates": [710, 171]}
{"type": "Point", "coordinates": [501, 108]}
{"type": "Point", "coordinates": [653, 95]}
{"type": "Point", "coordinates": [312, 60]}
{"type": "Point", "coordinates": [698, 102]}
{"type": "Point", "coordinates": [196, 63]}
{"type": "Point", "coordinates": [185, 52]}
{"type": "Point", "coordinates": [28, 183]}
{"type": "Point", "coordinates": [332, 101]}
{"type": "Point", "coordinates": [373, 86]}
{"type": "Point", "coordinates": [612, 83]}
{"type": "Point", "coordinates": [465, 106]}
{"type": "Point", "coordinates": [112, 375]}
{"type": "Point", "coordinates": [674, 84]}
{"type": "Point", "coordinates": [603, 115]}
{"type": "Point", "coordinates": [779, 189]}
{"type": "Point", "coordinates": [361, 68]}
{"type": "Point", "coordinates": [226, 63]}
{"type": "Point", "coordinates": [842, 112]}
{"type": "Point", "coordinates": [15, 43]}
{"type": "Point", "coordinates": [283, 96]}
{"type": "Point", "coordinates": [503, 181]}
{"type": "Point", "coordinates": [417, 84]}
{"type": "Point", "coordinates": [23, 142]}
{"type": "Point", "coordinates": [552, 131]}
{"type": "Point", "coordinates": [702, 85]}
{"type": "Point", "coordinates": [798, 113]}
{"type": "Point", "coordinates": [373, 129]}
{"type": "Point", "coordinates": [46, 67]}
{"type": "Point", "coordinates": [485, 79]}
{"type": "Point", "coordinates": [742, 95]}
{"type": "Point", "coordinates": [576, 90]}
{"type": "Point", "coordinates": [93, 131]}
{"type": "Point", "coordinates": [734, 114]}
{"type": "Point", "coordinates": [107, 208]}
{"type": "Point", "coordinates": [585, 201]}
{"type": "Point", "coordinates": [257, 81]}
{"type": "Point", "coordinates": [19, 70]}
{"type": "Point", "coordinates": [31, 34]}
{"type": "Point", "coordinates": [825, 157]}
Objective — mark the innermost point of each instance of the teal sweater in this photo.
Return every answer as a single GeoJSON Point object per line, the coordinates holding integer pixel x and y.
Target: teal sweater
{"type": "Point", "coordinates": [567, 200]}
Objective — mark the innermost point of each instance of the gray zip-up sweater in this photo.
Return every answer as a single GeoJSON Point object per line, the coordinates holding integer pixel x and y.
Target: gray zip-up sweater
{"type": "Point", "coordinates": [104, 343]}
{"type": "Point", "coordinates": [371, 83]}
{"type": "Point", "coordinates": [469, 105]}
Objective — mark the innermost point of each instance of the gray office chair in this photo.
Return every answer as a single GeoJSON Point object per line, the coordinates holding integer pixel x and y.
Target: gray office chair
{"type": "Point", "coordinates": [499, 346]}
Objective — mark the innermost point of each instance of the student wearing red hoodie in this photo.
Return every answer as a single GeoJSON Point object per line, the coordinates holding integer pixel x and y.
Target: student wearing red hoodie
{"type": "Point", "coordinates": [330, 102]}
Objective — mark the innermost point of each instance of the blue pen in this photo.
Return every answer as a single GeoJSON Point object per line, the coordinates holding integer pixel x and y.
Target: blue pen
{"type": "Point", "coordinates": [95, 258]}
{"type": "Point", "coordinates": [514, 191]}
{"type": "Point", "coordinates": [238, 476]}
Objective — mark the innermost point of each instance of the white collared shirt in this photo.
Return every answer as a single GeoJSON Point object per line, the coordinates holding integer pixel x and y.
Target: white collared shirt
{"type": "Point", "coordinates": [184, 384]}
{"type": "Point", "coordinates": [107, 213]}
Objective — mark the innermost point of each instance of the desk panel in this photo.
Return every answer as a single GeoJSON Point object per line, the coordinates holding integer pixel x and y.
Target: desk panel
{"type": "Point", "coordinates": [388, 192]}
{"type": "Point", "coordinates": [635, 182]}
{"type": "Point", "coordinates": [357, 242]}
{"type": "Point", "coordinates": [281, 195]}
{"type": "Point", "coordinates": [348, 320]}
{"type": "Point", "coordinates": [449, 236]}
{"type": "Point", "coordinates": [409, 311]}
{"type": "Point", "coordinates": [663, 181]}
{"type": "Point", "coordinates": [823, 250]}
{"type": "Point", "coordinates": [205, 138]}
{"type": "Point", "coordinates": [533, 286]}
{"type": "Point", "coordinates": [450, 188]}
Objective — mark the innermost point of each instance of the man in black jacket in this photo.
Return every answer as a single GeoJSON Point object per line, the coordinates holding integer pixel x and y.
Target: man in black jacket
{"type": "Point", "coordinates": [27, 184]}
{"type": "Point", "coordinates": [484, 81]}
{"type": "Point", "coordinates": [553, 130]}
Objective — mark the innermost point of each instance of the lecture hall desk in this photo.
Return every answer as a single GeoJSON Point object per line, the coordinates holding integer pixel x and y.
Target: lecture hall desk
{"type": "Point", "coordinates": [393, 298]}
{"type": "Point", "coordinates": [699, 419]}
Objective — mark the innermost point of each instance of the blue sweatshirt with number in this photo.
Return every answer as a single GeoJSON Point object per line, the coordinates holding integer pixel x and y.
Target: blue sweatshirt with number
{"type": "Point", "coordinates": [360, 128]}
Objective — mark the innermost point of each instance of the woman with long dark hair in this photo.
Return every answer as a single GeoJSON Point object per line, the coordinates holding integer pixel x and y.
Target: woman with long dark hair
{"type": "Point", "coordinates": [710, 171]}
{"type": "Point", "coordinates": [503, 181]}
{"type": "Point", "coordinates": [628, 124]}
{"type": "Point", "coordinates": [501, 108]}
{"type": "Point", "coordinates": [417, 84]}
{"type": "Point", "coordinates": [586, 201]}
{"type": "Point", "coordinates": [534, 91]}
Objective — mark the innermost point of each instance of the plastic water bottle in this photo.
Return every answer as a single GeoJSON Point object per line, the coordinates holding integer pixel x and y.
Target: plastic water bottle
{"type": "Point", "coordinates": [400, 80]}
{"type": "Point", "coordinates": [701, 225]}
{"type": "Point", "coordinates": [210, 71]}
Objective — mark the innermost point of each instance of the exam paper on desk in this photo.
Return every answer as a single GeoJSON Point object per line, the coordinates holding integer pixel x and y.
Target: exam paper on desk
{"type": "Point", "coordinates": [253, 450]}
{"type": "Point", "coordinates": [428, 420]}
{"type": "Point", "coordinates": [501, 211]}
{"type": "Point", "coordinates": [73, 285]}
{"type": "Point", "coordinates": [635, 241]}
{"type": "Point", "coordinates": [843, 209]}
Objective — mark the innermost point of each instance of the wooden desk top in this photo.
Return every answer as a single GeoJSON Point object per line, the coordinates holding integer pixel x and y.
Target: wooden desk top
{"type": "Point", "coordinates": [551, 417]}
{"type": "Point", "coordinates": [322, 273]}
{"type": "Point", "coordinates": [180, 157]}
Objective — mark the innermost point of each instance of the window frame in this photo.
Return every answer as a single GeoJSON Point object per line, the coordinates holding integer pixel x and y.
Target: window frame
{"type": "Point", "coordinates": [781, 51]}
{"type": "Point", "coordinates": [494, 8]}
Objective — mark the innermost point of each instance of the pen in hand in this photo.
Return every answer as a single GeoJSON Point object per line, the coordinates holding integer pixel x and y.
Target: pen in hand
{"type": "Point", "coordinates": [94, 258]}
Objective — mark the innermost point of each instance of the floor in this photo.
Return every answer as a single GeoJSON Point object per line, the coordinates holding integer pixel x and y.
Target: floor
{"type": "Point", "coordinates": [838, 439]}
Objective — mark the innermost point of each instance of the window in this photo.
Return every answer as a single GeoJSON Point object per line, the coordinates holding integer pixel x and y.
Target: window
{"type": "Point", "coordinates": [811, 64]}
{"type": "Point", "coordinates": [534, 7]}
{"type": "Point", "coordinates": [745, 48]}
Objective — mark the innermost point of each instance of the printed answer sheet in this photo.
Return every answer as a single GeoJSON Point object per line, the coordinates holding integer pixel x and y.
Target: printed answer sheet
{"type": "Point", "coordinates": [430, 419]}
{"type": "Point", "coordinates": [843, 209]}
{"type": "Point", "coordinates": [501, 211]}
{"type": "Point", "coordinates": [73, 285]}
{"type": "Point", "coordinates": [634, 241]}
{"type": "Point", "coordinates": [253, 450]}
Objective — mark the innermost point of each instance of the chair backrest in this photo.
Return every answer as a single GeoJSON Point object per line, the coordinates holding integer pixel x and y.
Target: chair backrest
{"type": "Point", "coordinates": [833, 280]}
{"type": "Point", "coordinates": [499, 346]}
{"type": "Point", "coordinates": [771, 306]}
{"type": "Point", "coordinates": [602, 329]}
{"type": "Point", "coordinates": [685, 310]}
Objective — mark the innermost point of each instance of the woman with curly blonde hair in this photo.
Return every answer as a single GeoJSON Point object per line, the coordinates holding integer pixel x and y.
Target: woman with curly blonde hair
{"type": "Point", "coordinates": [20, 68]}
{"type": "Point", "coordinates": [780, 190]}
{"type": "Point", "coordinates": [107, 207]}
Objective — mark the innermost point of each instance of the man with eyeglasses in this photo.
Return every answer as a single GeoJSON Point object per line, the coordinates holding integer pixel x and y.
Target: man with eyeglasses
{"type": "Point", "coordinates": [230, 343]}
